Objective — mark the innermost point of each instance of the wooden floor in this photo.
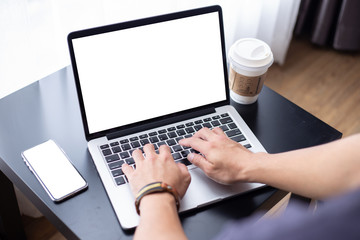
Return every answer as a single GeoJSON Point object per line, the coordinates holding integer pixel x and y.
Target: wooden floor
{"type": "Point", "coordinates": [324, 82]}
{"type": "Point", "coordinates": [40, 229]}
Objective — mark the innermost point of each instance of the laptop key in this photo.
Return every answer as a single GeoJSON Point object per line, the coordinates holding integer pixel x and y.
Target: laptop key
{"type": "Point", "coordinates": [154, 139]}
{"type": "Point", "coordinates": [224, 128]}
{"type": "Point", "coordinates": [189, 130]}
{"type": "Point", "coordinates": [162, 131]}
{"type": "Point", "coordinates": [163, 137]}
{"type": "Point", "coordinates": [207, 119]}
{"type": "Point", "coordinates": [130, 161]}
{"type": "Point", "coordinates": [185, 162]}
{"type": "Point", "coordinates": [124, 155]}
{"type": "Point", "coordinates": [134, 139]}
{"type": "Point", "coordinates": [119, 180]}
{"type": "Point", "coordinates": [247, 146]}
{"type": "Point", "coordinates": [144, 141]}
{"type": "Point", "coordinates": [125, 147]}
{"type": "Point", "coordinates": [124, 141]}
{"type": "Point", "coordinates": [177, 148]}
{"type": "Point", "coordinates": [181, 132]}
{"type": "Point", "coordinates": [194, 151]}
{"type": "Point", "coordinates": [112, 158]}
{"type": "Point", "coordinates": [171, 142]}
{"type": "Point", "coordinates": [207, 124]}
{"type": "Point", "coordinates": [172, 135]}
{"type": "Point", "coordinates": [198, 121]}
{"type": "Point", "coordinates": [153, 134]}
{"type": "Point", "coordinates": [142, 136]}
{"type": "Point", "coordinates": [189, 124]}
{"type": "Point", "coordinates": [161, 143]}
{"type": "Point", "coordinates": [106, 152]}
{"type": "Point", "coordinates": [116, 149]}
{"type": "Point", "coordinates": [233, 132]}
{"type": "Point", "coordinates": [198, 127]}
{"type": "Point", "coordinates": [238, 138]}
{"type": "Point", "coordinates": [104, 146]}
{"type": "Point", "coordinates": [114, 144]}
{"type": "Point", "coordinates": [185, 147]}
{"type": "Point", "coordinates": [116, 164]}
{"type": "Point", "coordinates": [176, 156]}
{"type": "Point", "coordinates": [117, 172]}
{"type": "Point", "coordinates": [180, 126]}
{"type": "Point", "coordinates": [170, 129]}
{"type": "Point", "coordinates": [226, 120]}
{"type": "Point", "coordinates": [185, 153]}
{"type": "Point", "coordinates": [215, 123]}
{"type": "Point", "coordinates": [232, 125]}
{"type": "Point", "coordinates": [135, 144]}
{"type": "Point", "coordinates": [224, 115]}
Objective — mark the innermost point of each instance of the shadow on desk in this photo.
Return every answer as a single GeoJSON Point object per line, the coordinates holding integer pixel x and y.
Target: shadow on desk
{"type": "Point", "coordinates": [51, 113]}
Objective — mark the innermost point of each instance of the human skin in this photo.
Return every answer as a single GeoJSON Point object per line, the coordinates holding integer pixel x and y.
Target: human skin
{"type": "Point", "coordinates": [317, 172]}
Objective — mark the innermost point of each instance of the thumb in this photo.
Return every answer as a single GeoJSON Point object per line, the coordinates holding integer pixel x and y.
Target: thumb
{"type": "Point", "coordinates": [199, 161]}
{"type": "Point", "coordinates": [183, 169]}
{"type": "Point", "coordinates": [186, 179]}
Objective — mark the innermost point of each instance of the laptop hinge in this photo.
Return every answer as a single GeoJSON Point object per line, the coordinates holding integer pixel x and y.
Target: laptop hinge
{"type": "Point", "coordinates": [159, 123]}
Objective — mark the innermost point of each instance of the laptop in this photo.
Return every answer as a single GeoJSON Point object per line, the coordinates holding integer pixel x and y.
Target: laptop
{"type": "Point", "coordinates": [155, 80]}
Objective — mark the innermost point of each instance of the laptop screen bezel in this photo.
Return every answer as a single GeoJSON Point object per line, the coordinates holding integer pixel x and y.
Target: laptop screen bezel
{"type": "Point", "coordinates": [137, 23]}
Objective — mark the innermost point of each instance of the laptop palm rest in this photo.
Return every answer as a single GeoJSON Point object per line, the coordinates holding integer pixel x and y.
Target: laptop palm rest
{"type": "Point", "coordinates": [204, 191]}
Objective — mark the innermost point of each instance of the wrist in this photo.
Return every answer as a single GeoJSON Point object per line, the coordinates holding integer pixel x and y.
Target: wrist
{"type": "Point", "coordinates": [161, 201]}
{"type": "Point", "coordinates": [254, 167]}
{"type": "Point", "coordinates": [159, 218]}
{"type": "Point", "coordinates": [153, 188]}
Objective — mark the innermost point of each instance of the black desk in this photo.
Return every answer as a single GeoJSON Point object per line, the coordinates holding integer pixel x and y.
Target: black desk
{"type": "Point", "coordinates": [48, 109]}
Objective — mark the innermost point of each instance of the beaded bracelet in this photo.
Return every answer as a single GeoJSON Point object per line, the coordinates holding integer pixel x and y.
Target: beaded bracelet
{"type": "Point", "coordinates": [156, 187]}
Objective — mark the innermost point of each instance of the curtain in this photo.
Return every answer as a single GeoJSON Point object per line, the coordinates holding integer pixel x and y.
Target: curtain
{"type": "Point", "coordinates": [33, 32]}
{"type": "Point", "coordinates": [334, 23]}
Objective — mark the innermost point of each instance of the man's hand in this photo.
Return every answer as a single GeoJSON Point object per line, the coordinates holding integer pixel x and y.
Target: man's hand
{"type": "Point", "coordinates": [159, 218]}
{"type": "Point", "coordinates": [156, 167]}
{"type": "Point", "coordinates": [224, 160]}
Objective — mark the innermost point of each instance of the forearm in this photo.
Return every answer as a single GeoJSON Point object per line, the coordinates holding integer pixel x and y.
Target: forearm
{"type": "Point", "coordinates": [316, 172]}
{"type": "Point", "coordinates": [159, 218]}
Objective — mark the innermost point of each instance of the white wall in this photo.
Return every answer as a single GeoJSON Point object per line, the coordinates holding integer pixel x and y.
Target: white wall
{"type": "Point", "coordinates": [33, 32]}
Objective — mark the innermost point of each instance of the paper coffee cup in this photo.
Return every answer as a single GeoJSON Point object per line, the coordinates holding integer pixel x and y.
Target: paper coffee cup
{"type": "Point", "coordinates": [249, 60]}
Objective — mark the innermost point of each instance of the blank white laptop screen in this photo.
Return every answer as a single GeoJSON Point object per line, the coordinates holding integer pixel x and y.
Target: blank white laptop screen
{"type": "Point", "coordinates": [139, 73]}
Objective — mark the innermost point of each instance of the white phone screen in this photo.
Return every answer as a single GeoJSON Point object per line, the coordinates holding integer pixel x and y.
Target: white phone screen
{"type": "Point", "coordinates": [54, 171]}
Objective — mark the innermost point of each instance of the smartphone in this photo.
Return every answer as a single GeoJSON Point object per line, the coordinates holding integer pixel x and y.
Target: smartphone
{"type": "Point", "coordinates": [53, 169]}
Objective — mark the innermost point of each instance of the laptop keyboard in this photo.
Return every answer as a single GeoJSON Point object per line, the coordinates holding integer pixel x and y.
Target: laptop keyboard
{"type": "Point", "coordinates": [119, 151]}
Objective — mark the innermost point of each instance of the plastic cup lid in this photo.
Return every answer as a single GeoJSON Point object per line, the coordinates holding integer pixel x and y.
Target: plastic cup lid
{"type": "Point", "coordinates": [251, 53]}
